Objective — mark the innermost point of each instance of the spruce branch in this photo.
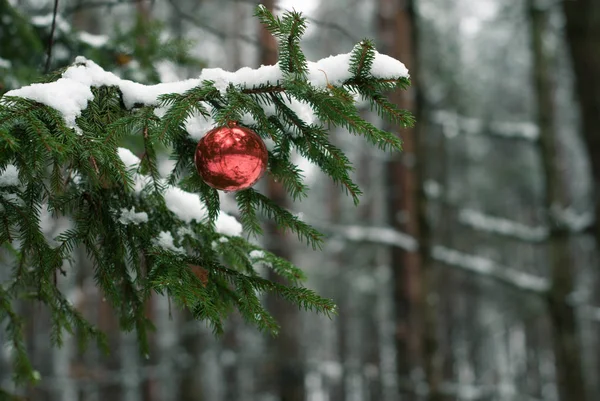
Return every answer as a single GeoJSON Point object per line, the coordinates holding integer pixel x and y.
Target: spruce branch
{"type": "Point", "coordinates": [134, 225]}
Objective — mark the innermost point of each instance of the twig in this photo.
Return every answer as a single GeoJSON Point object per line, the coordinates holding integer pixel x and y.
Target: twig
{"type": "Point", "coordinates": [51, 38]}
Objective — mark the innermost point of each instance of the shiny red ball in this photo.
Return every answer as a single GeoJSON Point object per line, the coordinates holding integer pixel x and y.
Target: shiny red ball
{"type": "Point", "coordinates": [231, 158]}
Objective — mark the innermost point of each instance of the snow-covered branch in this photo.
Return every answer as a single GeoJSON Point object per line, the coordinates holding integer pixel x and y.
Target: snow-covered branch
{"type": "Point", "coordinates": [501, 226]}
{"type": "Point", "coordinates": [488, 268]}
{"type": "Point", "coordinates": [379, 235]}
{"type": "Point", "coordinates": [574, 221]}
{"type": "Point", "coordinates": [455, 124]}
{"type": "Point", "coordinates": [450, 257]}
{"type": "Point", "coordinates": [71, 93]}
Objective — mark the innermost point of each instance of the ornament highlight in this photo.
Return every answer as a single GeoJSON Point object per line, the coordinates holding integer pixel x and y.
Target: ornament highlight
{"type": "Point", "coordinates": [231, 158]}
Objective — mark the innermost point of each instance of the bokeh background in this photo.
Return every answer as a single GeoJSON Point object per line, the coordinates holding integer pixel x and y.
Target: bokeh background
{"type": "Point", "coordinates": [469, 270]}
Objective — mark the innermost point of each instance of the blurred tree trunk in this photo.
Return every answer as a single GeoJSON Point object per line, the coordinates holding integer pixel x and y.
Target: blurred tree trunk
{"type": "Point", "coordinates": [566, 336]}
{"type": "Point", "coordinates": [191, 388]}
{"type": "Point", "coordinates": [370, 325]}
{"type": "Point", "coordinates": [583, 38]}
{"type": "Point", "coordinates": [414, 277]}
{"type": "Point", "coordinates": [285, 351]}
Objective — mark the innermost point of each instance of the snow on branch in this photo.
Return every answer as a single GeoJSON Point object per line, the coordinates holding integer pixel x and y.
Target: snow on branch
{"type": "Point", "coordinates": [574, 221]}
{"type": "Point", "coordinates": [379, 235]}
{"type": "Point", "coordinates": [501, 226]}
{"type": "Point", "coordinates": [71, 93]}
{"type": "Point", "coordinates": [455, 124]}
{"type": "Point", "coordinates": [488, 268]}
{"type": "Point", "coordinates": [472, 263]}
{"type": "Point", "coordinates": [571, 219]}
{"type": "Point", "coordinates": [185, 205]}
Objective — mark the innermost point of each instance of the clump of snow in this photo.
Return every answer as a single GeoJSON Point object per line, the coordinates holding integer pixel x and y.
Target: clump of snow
{"type": "Point", "coordinates": [188, 207]}
{"type": "Point", "coordinates": [223, 240]}
{"type": "Point", "coordinates": [197, 125]}
{"type": "Point", "coordinates": [93, 40]}
{"type": "Point", "coordinates": [65, 95]}
{"type": "Point", "coordinates": [165, 241]}
{"type": "Point", "coordinates": [5, 63]}
{"type": "Point", "coordinates": [131, 217]}
{"type": "Point", "coordinates": [46, 20]}
{"type": "Point", "coordinates": [185, 205]}
{"type": "Point", "coordinates": [256, 254]}
{"type": "Point", "coordinates": [228, 225]}
{"type": "Point", "coordinates": [129, 159]}
{"type": "Point", "coordinates": [10, 176]}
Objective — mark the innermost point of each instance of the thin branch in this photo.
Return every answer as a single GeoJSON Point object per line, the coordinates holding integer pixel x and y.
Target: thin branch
{"type": "Point", "coordinates": [51, 38]}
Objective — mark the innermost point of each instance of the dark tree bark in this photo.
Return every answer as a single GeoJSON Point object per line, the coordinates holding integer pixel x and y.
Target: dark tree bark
{"type": "Point", "coordinates": [566, 336]}
{"type": "Point", "coordinates": [414, 277]}
{"type": "Point", "coordinates": [583, 38]}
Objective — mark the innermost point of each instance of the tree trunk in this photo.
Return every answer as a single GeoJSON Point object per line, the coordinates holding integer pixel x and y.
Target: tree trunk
{"type": "Point", "coordinates": [583, 37]}
{"type": "Point", "coordinates": [566, 338]}
{"type": "Point", "coordinates": [414, 277]}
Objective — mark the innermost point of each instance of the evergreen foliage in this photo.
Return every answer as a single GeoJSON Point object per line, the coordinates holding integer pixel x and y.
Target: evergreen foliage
{"type": "Point", "coordinates": [80, 175]}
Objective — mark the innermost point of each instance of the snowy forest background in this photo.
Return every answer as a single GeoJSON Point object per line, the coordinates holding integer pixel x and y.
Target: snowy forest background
{"type": "Point", "coordinates": [500, 301]}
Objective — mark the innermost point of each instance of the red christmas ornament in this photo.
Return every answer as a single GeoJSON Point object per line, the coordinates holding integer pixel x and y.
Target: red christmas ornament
{"type": "Point", "coordinates": [231, 158]}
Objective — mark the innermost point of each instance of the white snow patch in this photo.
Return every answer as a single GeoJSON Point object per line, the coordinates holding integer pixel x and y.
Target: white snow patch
{"type": "Point", "coordinates": [10, 176]}
{"type": "Point", "coordinates": [185, 205]}
{"type": "Point", "coordinates": [5, 63]}
{"type": "Point", "coordinates": [131, 217]}
{"type": "Point", "coordinates": [46, 20]}
{"type": "Point", "coordinates": [188, 207]}
{"type": "Point", "coordinates": [487, 267]}
{"type": "Point", "coordinates": [380, 235]}
{"type": "Point", "coordinates": [499, 225]}
{"type": "Point", "coordinates": [197, 125]}
{"type": "Point", "coordinates": [453, 124]}
{"type": "Point", "coordinates": [165, 241]}
{"type": "Point", "coordinates": [575, 221]}
{"type": "Point", "coordinates": [93, 40]}
{"type": "Point", "coordinates": [256, 254]}
{"type": "Point", "coordinates": [129, 159]}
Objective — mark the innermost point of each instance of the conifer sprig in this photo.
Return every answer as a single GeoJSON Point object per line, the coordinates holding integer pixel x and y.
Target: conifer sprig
{"type": "Point", "coordinates": [80, 174]}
